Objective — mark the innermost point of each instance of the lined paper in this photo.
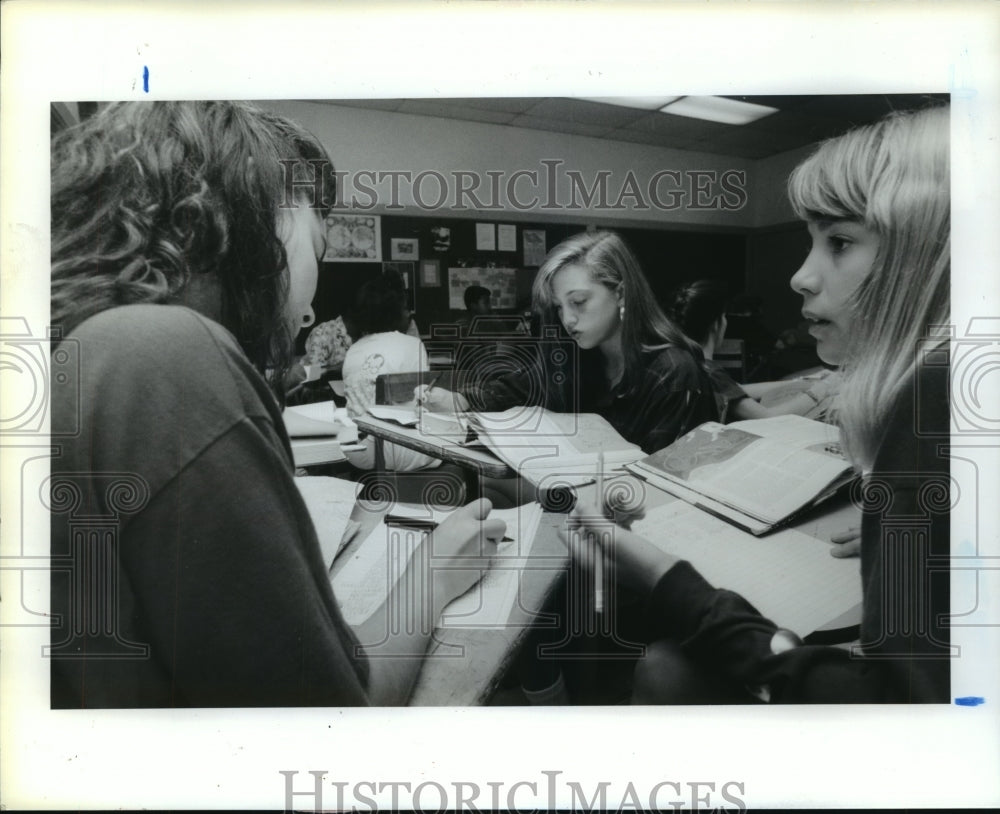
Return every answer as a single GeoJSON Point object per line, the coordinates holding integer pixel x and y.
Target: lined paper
{"type": "Point", "coordinates": [790, 577]}
{"type": "Point", "coordinates": [363, 581]}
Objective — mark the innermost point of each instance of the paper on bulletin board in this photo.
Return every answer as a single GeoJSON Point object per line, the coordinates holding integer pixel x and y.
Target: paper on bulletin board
{"type": "Point", "coordinates": [534, 246]}
{"type": "Point", "coordinates": [486, 237]}
{"type": "Point", "coordinates": [507, 237]}
{"type": "Point", "coordinates": [502, 283]}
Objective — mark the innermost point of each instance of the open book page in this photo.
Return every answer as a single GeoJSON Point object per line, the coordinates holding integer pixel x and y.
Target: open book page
{"type": "Point", "coordinates": [540, 444]}
{"type": "Point", "coordinates": [790, 577]}
{"type": "Point", "coordinates": [453, 427]}
{"type": "Point", "coordinates": [404, 414]}
{"type": "Point", "coordinates": [766, 468]}
{"type": "Point", "coordinates": [306, 420]}
{"type": "Point", "coordinates": [363, 580]}
{"type": "Point", "coordinates": [329, 501]}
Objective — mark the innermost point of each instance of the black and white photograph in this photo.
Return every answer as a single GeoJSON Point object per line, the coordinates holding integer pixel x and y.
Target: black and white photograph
{"type": "Point", "coordinates": [678, 505]}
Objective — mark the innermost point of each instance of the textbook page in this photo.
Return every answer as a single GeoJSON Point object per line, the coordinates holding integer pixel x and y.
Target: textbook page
{"type": "Point", "coordinates": [540, 444]}
{"type": "Point", "coordinates": [307, 420]}
{"type": "Point", "coordinates": [767, 468]}
{"type": "Point", "coordinates": [363, 580]}
{"type": "Point", "coordinates": [404, 414]}
{"type": "Point", "coordinates": [790, 577]}
{"type": "Point", "coordinates": [329, 501]}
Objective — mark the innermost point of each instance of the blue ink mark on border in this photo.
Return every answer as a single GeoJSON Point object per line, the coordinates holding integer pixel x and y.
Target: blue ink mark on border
{"type": "Point", "coordinates": [145, 78]}
{"type": "Point", "coordinates": [970, 701]}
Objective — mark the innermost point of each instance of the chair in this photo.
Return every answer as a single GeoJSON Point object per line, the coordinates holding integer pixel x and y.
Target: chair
{"type": "Point", "coordinates": [731, 356]}
{"type": "Point", "coordinates": [443, 485]}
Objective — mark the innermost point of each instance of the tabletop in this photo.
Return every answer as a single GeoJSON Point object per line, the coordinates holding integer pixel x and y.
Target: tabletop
{"type": "Point", "coordinates": [465, 665]}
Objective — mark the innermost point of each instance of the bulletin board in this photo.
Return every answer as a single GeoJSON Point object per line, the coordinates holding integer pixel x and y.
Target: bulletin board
{"type": "Point", "coordinates": [502, 282]}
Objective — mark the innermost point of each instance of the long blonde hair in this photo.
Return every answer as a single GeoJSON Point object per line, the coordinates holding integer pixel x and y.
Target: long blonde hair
{"type": "Point", "coordinates": [644, 324]}
{"type": "Point", "coordinates": [892, 177]}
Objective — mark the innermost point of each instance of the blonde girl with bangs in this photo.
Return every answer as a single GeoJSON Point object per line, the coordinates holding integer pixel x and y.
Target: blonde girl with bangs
{"type": "Point", "coordinates": [875, 289]}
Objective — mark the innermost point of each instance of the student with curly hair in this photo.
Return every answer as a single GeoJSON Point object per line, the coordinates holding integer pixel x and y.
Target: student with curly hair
{"type": "Point", "coordinates": [185, 244]}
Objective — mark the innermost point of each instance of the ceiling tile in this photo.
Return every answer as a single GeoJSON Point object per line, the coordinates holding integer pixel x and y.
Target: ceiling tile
{"type": "Point", "coordinates": [582, 111]}
{"type": "Point", "coordinates": [434, 107]}
{"type": "Point", "coordinates": [372, 104]}
{"type": "Point", "coordinates": [515, 105]}
{"type": "Point", "coordinates": [801, 120]}
{"type": "Point", "coordinates": [554, 125]}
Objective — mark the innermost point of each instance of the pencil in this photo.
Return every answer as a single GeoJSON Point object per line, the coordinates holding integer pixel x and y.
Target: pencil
{"type": "Point", "coordinates": [430, 387]}
{"type": "Point", "coordinates": [599, 562]}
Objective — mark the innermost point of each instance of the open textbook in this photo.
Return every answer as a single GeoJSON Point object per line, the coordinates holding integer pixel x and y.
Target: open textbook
{"type": "Point", "coordinates": [756, 474]}
{"type": "Point", "coordinates": [318, 432]}
{"type": "Point", "coordinates": [548, 449]}
{"type": "Point", "coordinates": [553, 449]}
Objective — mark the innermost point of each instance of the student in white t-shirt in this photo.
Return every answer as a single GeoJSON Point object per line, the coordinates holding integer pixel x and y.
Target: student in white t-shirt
{"type": "Point", "coordinates": [382, 318]}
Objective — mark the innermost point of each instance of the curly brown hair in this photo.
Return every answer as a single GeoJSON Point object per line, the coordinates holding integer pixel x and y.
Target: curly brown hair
{"type": "Point", "coordinates": [150, 197]}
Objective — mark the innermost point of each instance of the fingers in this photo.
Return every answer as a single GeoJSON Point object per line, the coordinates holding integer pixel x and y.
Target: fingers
{"type": "Point", "coordinates": [853, 533]}
{"type": "Point", "coordinates": [850, 549]}
{"type": "Point", "coordinates": [480, 508]}
{"type": "Point", "coordinates": [494, 530]}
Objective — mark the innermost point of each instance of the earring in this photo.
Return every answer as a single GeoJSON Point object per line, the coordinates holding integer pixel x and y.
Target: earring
{"type": "Point", "coordinates": [621, 311]}
{"type": "Point", "coordinates": [308, 320]}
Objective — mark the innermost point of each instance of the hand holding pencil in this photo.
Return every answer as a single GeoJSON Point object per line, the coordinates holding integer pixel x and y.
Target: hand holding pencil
{"type": "Point", "coordinates": [438, 400]}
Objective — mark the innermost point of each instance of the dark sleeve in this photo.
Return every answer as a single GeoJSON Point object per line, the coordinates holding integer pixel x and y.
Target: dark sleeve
{"type": "Point", "coordinates": [226, 569]}
{"type": "Point", "coordinates": [723, 631]}
{"type": "Point", "coordinates": [517, 388]}
{"type": "Point", "coordinates": [727, 390]}
{"type": "Point", "coordinates": [675, 397]}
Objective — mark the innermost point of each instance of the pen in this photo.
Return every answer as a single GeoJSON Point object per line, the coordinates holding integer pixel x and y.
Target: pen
{"type": "Point", "coordinates": [599, 562]}
{"type": "Point", "coordinates": [418, 524]}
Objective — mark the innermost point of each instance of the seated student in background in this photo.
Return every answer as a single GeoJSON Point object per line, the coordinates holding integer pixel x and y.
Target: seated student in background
{"type": "Point", "coordinates": [636, 368]}
{"type": "Point", "coordinates": [477, 303]}
{"type": "Point", "coordinates": [875, 288]}
{"type": "Point", "coordinates": [327, 344]}
{"type": "Point", "coordinates": [381, 316]}
{"type": "Point", "coordinates": [182, 275]}
{"type": "Point", "coordinates": [699, 308]}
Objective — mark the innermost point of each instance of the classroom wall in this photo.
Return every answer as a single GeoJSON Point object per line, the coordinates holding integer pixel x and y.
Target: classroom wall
{"type": "Point", "coordinates": [754, 247]}
{"type": "Point", "coordinates": [768, 196]}
{"type": "Point", "coordinates": [709, 193]}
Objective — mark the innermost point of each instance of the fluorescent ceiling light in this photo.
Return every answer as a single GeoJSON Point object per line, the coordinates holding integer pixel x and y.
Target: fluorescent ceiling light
{"type": "Point", "coordinates": [641, 102]}
{"type": "Point", "coordinates": [717, 109]}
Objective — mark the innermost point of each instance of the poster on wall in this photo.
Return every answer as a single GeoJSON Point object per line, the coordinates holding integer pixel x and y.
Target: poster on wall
{"type": "Point", "coordinates": [353, 238]}
{"type": "Point", "coordinates": [534, 247]}
{"type": "Point", "coordinates": [501, 282]}
{"type": "Point", "coordinates": [404, 248]}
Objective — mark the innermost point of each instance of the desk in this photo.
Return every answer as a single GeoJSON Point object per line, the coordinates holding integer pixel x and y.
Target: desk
{"type": "Point", "coordinates": [475, 462]}
{"type": "Point", "coordinates": [465, 665]}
